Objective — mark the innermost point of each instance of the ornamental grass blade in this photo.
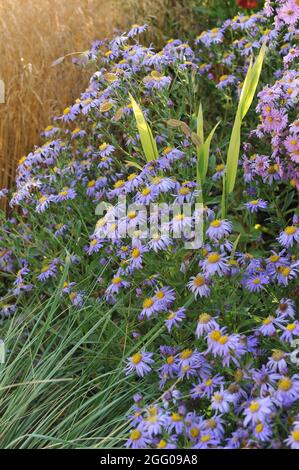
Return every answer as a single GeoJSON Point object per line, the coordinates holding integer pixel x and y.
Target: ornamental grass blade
{"type": "Point", "coordinates": [246, 97]}
{"type": "Point", "coordinates": [199, 148]}
{"type": "Point", "coordinates": [203, 148]}
{"type": "Point", "coordinates": [206, 151]}
{"type": "Point", "coordinates": [148, 142]}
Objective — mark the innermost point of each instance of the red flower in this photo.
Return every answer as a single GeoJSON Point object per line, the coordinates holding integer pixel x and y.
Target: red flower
{"type": "Point", "coordinates": [247, 3]}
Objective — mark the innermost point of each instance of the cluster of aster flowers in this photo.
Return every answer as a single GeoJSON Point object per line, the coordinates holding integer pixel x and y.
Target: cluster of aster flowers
{"type": "Point", "coordinates": [223, 316]}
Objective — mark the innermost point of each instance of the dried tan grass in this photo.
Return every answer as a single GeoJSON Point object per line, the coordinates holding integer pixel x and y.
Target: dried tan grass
{"type": "Point", "coordinates": [36, 32]}
{"type": "Point", "coordinates": [33, 34]}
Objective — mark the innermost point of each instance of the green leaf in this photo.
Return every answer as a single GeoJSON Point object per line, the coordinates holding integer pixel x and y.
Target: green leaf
{"type": "Point", "coordinates": [223, 199]}
{"type": "Point", "coordinates": [148, 142]}
{"type": "Point", "coordinates": [246, 98]}
{"type": "Point", "coordinates": [206, 151]}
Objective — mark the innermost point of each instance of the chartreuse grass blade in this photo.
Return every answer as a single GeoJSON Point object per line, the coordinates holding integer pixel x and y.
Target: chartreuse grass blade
{"type": "Point", "coordinates": [147, 140]}
{"type": "Point", "coordinates": [247, 95]}
{"type": "Point", "coordinates": [203, 149]}
{"type": "Point", "coordinates": [206, 151]}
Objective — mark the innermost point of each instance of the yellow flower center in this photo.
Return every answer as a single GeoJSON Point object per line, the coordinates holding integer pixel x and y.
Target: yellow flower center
{"type": "Point", "coordinates": [135, 253]}
{"type": "Point", "coordinates": [131, 176]}
{"type": "Point", "coordinates": [184, 191]}
{"type": "Point", "coordinates": [171, 316]}
{"type": "Point", "coordinates": [160, 294]}
{"type": "Point", "coordinates": [136, 358]}
{"type": "Point", "coordinates": [206, 438]}
{"type": "Point", "coordinates": [295, 435]}
{"type": "Point", "coordinates": [148, 303]}
{"type": "Point", "coordinates": [223, 339]}
{"type": "Point", "coordinates": [176, 417]}
{"type": "Point", "coordinates": [186, 353]}
{"type": "Point", "coordinates": [254, 407]}
{"type": "Point", "coordinates": [267, 321]}
{"type": "Point", "coordinates": [290, 230]}
{"type": "Point", "coordinates": [119, 184]}
{"type": "Point", "coordinates": [258, 428]}
{"type": "Point", "coordinates": [209, 382]}
{"type": "Point", "coordinates": [216, 223]}
{"type": "Point", "coordinates": [162, 444]}
{"type": "Point", "coordinates": [219, 167]}
{"type": "Point", "coordinates": [285, 384]}
{"type": "Point", "coordinates": [277, 355]}
{"type": "Point", "coordinates": [274, 258]}
{"type": "Point", "coordinates": [204, 318]}
{"type": "Point", "coordinates": [213, 258]}
{"type": "Point", "coordinates": [286, 271]}
{"type": "Point", "coordinates": [215, 335]}
{"type": "Point", "coordinates": [218, 397]}
{"type": "Point", "coordinates": [146, 191]}
{"type": "Point", "coordinates": [179, 217]}
{"type": "Point", "coordinates": [194, 432]}
{"type": "Point", "coordinates": [199, 281]}
{"type": "Point", "coordinates": [170, 360]}
{"type": "Point", "coordinates": [291, 326]}
{"type": "Point", "coordinates": [135, 435]}
{"type": "Point", "coordinates": [116, 280]}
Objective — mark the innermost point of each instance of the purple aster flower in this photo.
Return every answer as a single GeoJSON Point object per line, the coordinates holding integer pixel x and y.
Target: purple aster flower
{"type": "Point", "coordinates": [43, 203]}
{"type": "Point", "coordinates": [256, 283]}
{"type": "Point", "coordinates": [289, 331]}
{"type": "Point", "coordinates": [138, 439]}
{"type": "Point", "coordinates": [159, 242]}
{"type": "Point", "coordinates": [269, 325]}
{"type": "Point", "coordinates": [207, 387]}
{"type": "Point", "coordinates": [147, 195]}
{"type": "Point", "coordinates": [65, 194]}
{"type": "Point", "coordinates": [174, 318]}
{"type": "Point", "coordinates": [287, 389]}
{"type": "Point", "coordinates": [289, 236]}
{"type": "Point", "coordinates": [199, 285]}
{"type": "Point", "coordinates": [262, 432]}
{"type": "Point", "coordinates": [258, 410]}
{"type": "Point", "coordinates": [164, 297]}
{"type": "Point", "coordinates": [219, 229]}
{"type": "Point", "coordinates": [293, 439]}
{"type": "Point", "coordinates": [94, 246]}
{"type": "Point", "coordinates": [205, 324]}
{"type": "Point", "coordinates": [256, 204]}
{"type": "Point", "coordinates": [175, 422]}
{"type": "Point", "coordinates": [154, 421]}
{"type": "Point", "coordinates": [277, 362]}
{"type": "Point", "coordinates": [48, 271]}
{"type": "Point", "coordinates": [116, 284]}
{"type": "Point", "coordinates": [140, 363]}
{"type": "Point", "coordinates": [221, 401]}
{"type": "Point", "coordinates": [150, 307]}
{"type": "Point", "coordinates": [286, 308]}
{"type": "Point", "coordinates": [215, 263]}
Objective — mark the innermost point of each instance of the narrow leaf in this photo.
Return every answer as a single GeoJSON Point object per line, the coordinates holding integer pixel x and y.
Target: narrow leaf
{"type": "Point", "coordinates": [246, 98]}
{"type": "Point", "coordinates": [206, 151]}
{"type": "Point", "coordinates": [147, 140]}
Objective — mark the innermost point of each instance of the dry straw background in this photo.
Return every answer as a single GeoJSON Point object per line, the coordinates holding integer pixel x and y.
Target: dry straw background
{"type": "Point", "coordinates": [33, 33]}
